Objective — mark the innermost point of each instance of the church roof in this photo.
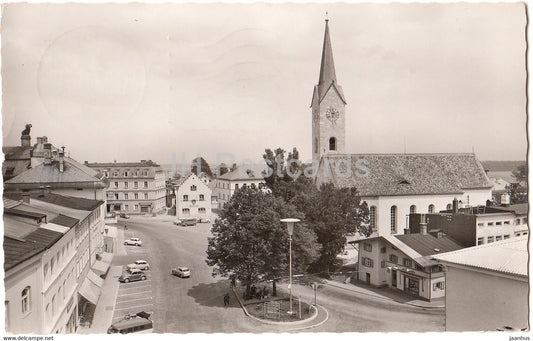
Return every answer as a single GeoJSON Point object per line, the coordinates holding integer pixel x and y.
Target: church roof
{"type": "Point", "coordinates": [403, 174]}
{"type": "Point", "coordinates": [327, 77]}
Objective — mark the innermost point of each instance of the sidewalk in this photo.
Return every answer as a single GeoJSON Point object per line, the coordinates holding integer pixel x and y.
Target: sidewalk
{"type": "Point", "coordinates": [388, 294]}
{"type": "Point", "coordinates": [105, 308]}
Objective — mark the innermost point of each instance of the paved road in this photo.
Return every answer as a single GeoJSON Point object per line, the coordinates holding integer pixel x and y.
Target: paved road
{"type": "Point", "coordinates": [196, 304]}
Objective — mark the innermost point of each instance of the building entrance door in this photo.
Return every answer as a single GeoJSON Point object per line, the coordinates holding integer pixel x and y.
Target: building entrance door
{"type": "Point", "coordinates": [368, 278]}
{"type": "Point", "coordinates": [411, 285]}
{"type": "Point", "coordinates": [394, 280]}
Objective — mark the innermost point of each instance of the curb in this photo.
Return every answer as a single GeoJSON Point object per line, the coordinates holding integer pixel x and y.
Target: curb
{"type": "Point", "coordinates": [315, 315]}
{"type": "Point", "coordinates": [387, 299]}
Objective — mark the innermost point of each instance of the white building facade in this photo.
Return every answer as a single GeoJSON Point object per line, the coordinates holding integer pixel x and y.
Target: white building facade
{"type": "Point", "coordinates": [193, 198]}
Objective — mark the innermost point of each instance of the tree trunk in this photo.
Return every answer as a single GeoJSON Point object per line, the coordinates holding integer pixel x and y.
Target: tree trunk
{"type": "Point", "coordinates": [274, 292]}
{"type": "Point", "coordinates": [247, 292]}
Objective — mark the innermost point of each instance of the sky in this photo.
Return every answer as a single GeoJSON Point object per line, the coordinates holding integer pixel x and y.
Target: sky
{"type": "Point", "coordinates": [169, 82]}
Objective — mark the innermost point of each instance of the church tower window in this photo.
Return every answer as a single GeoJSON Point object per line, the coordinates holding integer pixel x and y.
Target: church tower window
{"type": "Point", "coordinates": [332, 143]}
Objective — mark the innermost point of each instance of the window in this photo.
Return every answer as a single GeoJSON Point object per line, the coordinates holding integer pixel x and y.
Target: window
{"type": "Point", "coordinates": [517, 221]}
{"type": "Point", "coordinates": [449, 207]}
{"type": "Point", "coordinates": [438, 286]}
{"type": "Point", "coordinates": [135, 184]}
{"type": "Point", "coordinates": [125, 184]}
{"type": "Point", "coordinates": [185, 211]}
{"type": "Point", "coordinates": [146, 184]}
{"type": "Point", "coordinates": [383, 250]}
{"type": "Point", "coordinates": [136, 195]}
{"type": "Point", "coordinates": [368, 262]}
{"type": "Point", "coordinates": [393, 217]}
{"type": "Point", "coordinates": [372, 215]}
{"type": "Point", "coordinates": [517, 234]}
{"type": "Point", "coordinates": [145, 172]}
{"type": "Point", "coordinates": [498, 223]}
{"type": "Point", "coordinates": [507, 222]}
{"type": "Point", "coordinates": [25, 300]}
{"type": "Point", "coordinates": [115, 174]}
{"type": "Point", "coordinates": [126, 173]}
{"type": "Point", "coordinates": [393, 259]}
{"type": "Point", "coordinates": [125, 196]}
{"type": "Point", "coordinates": [316, 145]}
{"type": "Point", "coordinates": [498, 238]}
{"type": "Point", "coordinates": [383, 264]}
{"type": "Point", "coordinates": [490, 223]}
{"type": "Point", "coordinates": [116, 196]}
{"type": "Point", "coordinates": [201, 210]}
{"type": "Point", "coordinates": [126, 207]}
{"type": "Point", "coordinates": [524, 233]}
{"type": "Point", "coordinates": [236, 186]}
{"type": "Point", "coordinates": [136, 207]}
{"type": "Point", "coordinates": [431, 208]}
{"type": "Point", "coordinates": [116, 184]}
{"type": "Point", "coordinates": [332, 143]}
{"type": "Point", "coordinates": [185, 198]}
{"type": "Point", "coordinates": [506, 236]}
{"type": "Point", "coordinates": [136, 173]}
{"type": "Point", "coordinates": [480, 224]}
{"type": "Point", "coordinates": [524, 220]}
{"type": "Point", "coordinates": [367, 247]}
{"type": "Point", "coordinates": [412, 209]}
{"type": "Point", "coordinates": [490, 239]}
{"type": "Point", "coordinates": [145, 195]}
{"type": "Point", "coordinates": [407, 262]}
{"type": "Point", "coordinates": [202, 198]}
{"type": "Point", "coordinates": [481, 241]}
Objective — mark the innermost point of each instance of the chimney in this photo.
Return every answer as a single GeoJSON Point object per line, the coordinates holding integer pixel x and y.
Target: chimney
{"type": "Point", "coordinates": [62, 159]}
{"type": "Point", "coordinates": [39, 140]}
{"type": "Point", "coordinates": [26, 197]}
{"type": "Point", "coordinates": [423, 225]}
{"type": "Point", "coordinates": [47, 153]}
{"type": "Point", "coordinates": [455, 206]}
{"type": "Point", "coordinates": [25, 140]}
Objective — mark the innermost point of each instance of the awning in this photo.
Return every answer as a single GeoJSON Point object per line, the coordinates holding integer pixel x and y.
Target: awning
{"type": "Point", "coordinates": [90, 288]}
{"type": "Point", "coordinates": [100, 267]}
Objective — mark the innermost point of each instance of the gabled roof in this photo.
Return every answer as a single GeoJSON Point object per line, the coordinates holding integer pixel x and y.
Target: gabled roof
{"type": "Point", "coordinates": [74, 173]}
{"type": "Point", "coordinates": [17, 250]}
{"type": "Point", "coordinates": [61, 200]}
{"type": "Point", "coordinates": [403, 174]}
{"type": "Point", "coordinates": [426, 244]}
{"type": "Point", "coordinates": [507, 256]}
{"type": "Point", "coordinates": [240, 174]}
{"type": "Point", "coordinates": [64, 220]}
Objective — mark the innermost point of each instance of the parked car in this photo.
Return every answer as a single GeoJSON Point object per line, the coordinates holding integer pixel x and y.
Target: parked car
{"type": "Point", "coordinates": [133, 323]}
{"type": "Point", "coordinates": [133, 241]}
{"type": "Point", "coordinates": [186, 222]}
{"type": "Point", "coordinates": [181, 271]}
{"type": "Point", "coordinates": [132, 275]}
{"type": "Point", "coordinates": [204, 220]}
{"type": "Point", "coordinates": [124, 215]}
{"type": "Point", "coordinates": [139, 264]}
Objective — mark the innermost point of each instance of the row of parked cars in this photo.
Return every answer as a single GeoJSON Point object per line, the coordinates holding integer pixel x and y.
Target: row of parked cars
{"type": "Point", "coordinates": [191, 221]}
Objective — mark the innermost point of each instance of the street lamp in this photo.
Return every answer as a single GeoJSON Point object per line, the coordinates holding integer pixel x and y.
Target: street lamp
{"type": "Point", "coordinates": [290, 228]}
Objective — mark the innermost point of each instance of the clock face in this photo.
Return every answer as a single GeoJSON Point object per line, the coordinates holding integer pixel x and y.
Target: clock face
{"type": "Point", "coordinates": [332, 115]}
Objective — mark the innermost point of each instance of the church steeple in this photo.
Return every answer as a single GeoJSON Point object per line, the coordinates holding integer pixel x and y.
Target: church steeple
{"type": "Point", "coordinates": [327, 106]}
{"type": "Point", "coordinates": [327, 66]}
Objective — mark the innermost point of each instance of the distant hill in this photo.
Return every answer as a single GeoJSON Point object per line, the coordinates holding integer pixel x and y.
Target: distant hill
{"type": "Point", "coordinates": [501, 166]}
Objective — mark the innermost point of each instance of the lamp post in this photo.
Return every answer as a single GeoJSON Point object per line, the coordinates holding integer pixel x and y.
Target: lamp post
{"type": "Point", "coordinates": [290, 228]}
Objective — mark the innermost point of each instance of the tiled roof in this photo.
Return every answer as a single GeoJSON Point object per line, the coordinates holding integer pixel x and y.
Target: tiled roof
{"type": "Point", "coordinates": [74, 172]}
{"type": "Point", "coordinates": [17, 152]}
{"type": "Point", "coordinates": [18, 250]}
{"type": "Point", "coordinates": [240, 174]}
{"type": "Point", "coordinates": [507, 256]}
{"type": "Point", "coordinates": [61, 200]}
{"type": "Point", "coordinates": [148, 163]}
{"type": "Point", "coordinates": [427, 244]}
{"type": "Point", "coordinates": [404, 174]}
{"type": "Point", "coordinates": [23, 213]}
{"type": "Point", "coordinates": [64, 220]}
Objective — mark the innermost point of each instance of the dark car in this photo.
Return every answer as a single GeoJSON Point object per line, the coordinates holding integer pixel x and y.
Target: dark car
{"type": "Point", "coordinates": [188, 222]}
{"type": "Point", "coordinates": [132, 275]}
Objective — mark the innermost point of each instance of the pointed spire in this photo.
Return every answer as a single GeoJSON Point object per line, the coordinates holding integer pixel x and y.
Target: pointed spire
{"type": "Point", "coordinates": [327, 67]}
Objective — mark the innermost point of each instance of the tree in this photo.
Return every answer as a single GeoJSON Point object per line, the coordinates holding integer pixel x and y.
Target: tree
{"type": "Point", "coordinates": [204, 166]}
{"type": "Point", "coordinates": [517, 192]}
{"type": "Point", "coordinates": [247, 239]}
{"type": "Point", "coordinates": [520, 174]}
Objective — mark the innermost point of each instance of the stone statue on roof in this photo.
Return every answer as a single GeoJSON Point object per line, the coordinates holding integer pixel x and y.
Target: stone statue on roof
{"type": "Point", "coordinates": [26, 131]}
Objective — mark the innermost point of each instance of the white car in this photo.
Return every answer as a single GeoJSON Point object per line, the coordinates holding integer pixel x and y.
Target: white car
{"type": "Point", "coordinates": [181, 271]}
{"type": "Point", "coordinates": [139, 264]}
{"type": "Point", "coordinates": [133, 241]}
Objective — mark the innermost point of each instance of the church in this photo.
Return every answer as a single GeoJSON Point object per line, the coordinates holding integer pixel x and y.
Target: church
{"type": "Point", "coordinates": [393, 185]}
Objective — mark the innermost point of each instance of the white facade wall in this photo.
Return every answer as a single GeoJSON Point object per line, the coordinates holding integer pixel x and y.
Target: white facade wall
{"type": "Point", "coordinates": [495, 227]}
{"type": "Point", "coordinates": [224, 189]}
{"type": "Point", "coordinates": [194, 203]}
{"type": "Point", "coordinates": [484, 300]}
{"type": "Point", "coordinates": [422, 202]}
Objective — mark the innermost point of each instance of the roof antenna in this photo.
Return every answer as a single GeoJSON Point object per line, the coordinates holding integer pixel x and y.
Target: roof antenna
{"type": "Point", "coordinates": [327, 16]}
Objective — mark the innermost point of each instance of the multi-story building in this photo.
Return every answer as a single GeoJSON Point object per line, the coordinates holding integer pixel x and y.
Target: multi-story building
{"type": "Point", "coordinates": [393, 185]}
{"type": "Point", "coordinates": [480, 225]}
{"type": "Point", "coordinates": [404, 262]}
{"type": "Point", "coordinates": [487, 286]}
{"type": "Point", "coordinates": [51, 243]}
{"type": "Point", "coordinates": [51, 169]}
{"type": "Point", "coordinates": [227, 184]}
{"type": "Point", "coordinates": [193, 198]}
{"type": "Point", "coordinates": [134, 187]}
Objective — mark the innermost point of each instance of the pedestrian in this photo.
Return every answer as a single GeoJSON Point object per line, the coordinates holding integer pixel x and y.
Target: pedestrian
{"type": "Point", "coordinates": [226, 299]}
{"type": "Point", "coordinates": [125, 227]}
